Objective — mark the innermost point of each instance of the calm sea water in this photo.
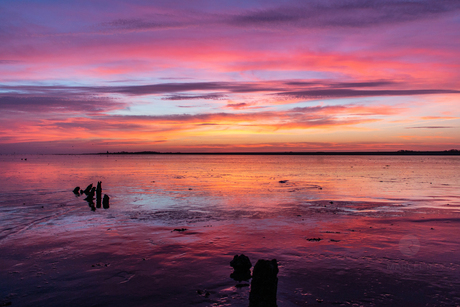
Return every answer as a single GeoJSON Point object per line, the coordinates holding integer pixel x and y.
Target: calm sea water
{"type": "Point", "coordinates": [229, 182]}
{"type": "Point", "coordinates": [387, 226]}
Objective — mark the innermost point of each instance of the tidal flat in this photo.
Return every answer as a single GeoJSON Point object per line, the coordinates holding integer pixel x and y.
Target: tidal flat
{"type": "Point", "coordinates": [345, 231]}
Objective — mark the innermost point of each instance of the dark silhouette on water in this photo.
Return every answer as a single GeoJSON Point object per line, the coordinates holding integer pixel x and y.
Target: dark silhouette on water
{"type": "Point", "coordinates": [90, 192]}
{"type": "Point", "coordinates": [76, 191]}
{"type": "Point", "coordinates": [264, 284]}
{"type": "Point", "coordinates": [314, 239]}
{"type": "Point", "coordinates": [88, 189]}
{"type": "Point", "coordinates": [91, 204]}
{"type": "Point", "coordinates": [99, 194]}
{"type": "Point", "coordinates": [241, 265]}
{"type": "Point", "coordinates": [105, 202]}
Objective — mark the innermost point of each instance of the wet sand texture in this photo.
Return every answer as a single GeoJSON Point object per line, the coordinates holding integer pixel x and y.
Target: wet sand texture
{"type": "Point", "coordinates": [345, 231]}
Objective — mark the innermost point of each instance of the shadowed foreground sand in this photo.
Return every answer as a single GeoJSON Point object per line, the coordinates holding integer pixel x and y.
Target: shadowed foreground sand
{"type": "Point", "coordinates": [137, 259]}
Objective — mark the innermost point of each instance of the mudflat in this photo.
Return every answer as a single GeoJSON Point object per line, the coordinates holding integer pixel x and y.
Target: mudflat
{"type": "Point", "coordinates": [168, 237]}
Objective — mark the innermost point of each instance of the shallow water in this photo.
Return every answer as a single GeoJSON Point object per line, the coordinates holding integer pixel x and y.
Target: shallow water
{"type": "Point", "coordinates": [388, 229]}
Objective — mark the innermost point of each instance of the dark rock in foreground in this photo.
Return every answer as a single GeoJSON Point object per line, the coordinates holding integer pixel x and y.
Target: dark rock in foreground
{"type": "Point", "coordinates": [241, 262]}
{"type": "Point", "coordinates": [203, 293]}
{"type": "Point", "coordinates": [241, 265]}
{"type": "Point", "coordinates": [264, 284]}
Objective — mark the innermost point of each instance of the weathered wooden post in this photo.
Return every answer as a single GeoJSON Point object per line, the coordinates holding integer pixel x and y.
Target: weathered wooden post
{"type": "Point", "coordinates": [264, 284]}
{"type": "Point", "coordinates": [99, 194]}
{"type": "Point", "coordinates": [105, 202]}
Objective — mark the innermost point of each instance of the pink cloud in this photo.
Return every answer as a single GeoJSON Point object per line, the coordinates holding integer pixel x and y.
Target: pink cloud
{"type": "Point", "coordinates": [248, 68]}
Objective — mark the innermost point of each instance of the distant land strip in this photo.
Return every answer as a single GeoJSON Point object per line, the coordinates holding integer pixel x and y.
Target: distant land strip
{"type": "Point", "coordinates": [452, 152]}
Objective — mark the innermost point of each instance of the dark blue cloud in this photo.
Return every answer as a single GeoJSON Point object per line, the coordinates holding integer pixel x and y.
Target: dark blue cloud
{"type": "Point", "coordinates": [90, 97]}
{"type": "Point", "coordinates": [191, 97]}
{"type": "Point", "coordinates": [311, 14]}
{"type": "Point", "coordinates": [139, 24]}
{"type": "Point", "coordinates": [347, 93]}
{"type": "Point", "coordinates": [344, 13]}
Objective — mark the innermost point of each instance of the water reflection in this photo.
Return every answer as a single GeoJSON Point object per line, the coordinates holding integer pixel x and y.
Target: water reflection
{"type": "Point", "coordinates": [339, 232]}
{"type": "Point", "coordinates": [240, 181]}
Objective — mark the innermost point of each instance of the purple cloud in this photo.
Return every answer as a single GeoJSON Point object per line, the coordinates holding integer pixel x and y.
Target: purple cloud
{"type": "Point", "coordinates": [345, 93]}
{"type": "Point", "coordinates": [191, 97]}
{"type": "Point", "coordinates": [45, 104]}
{"type": "Point", "coordinates": [431, 127]}
{"type": "Point", "coordinates": [88, 97]}
{"type": "Point", "coordinates": [344, 13]}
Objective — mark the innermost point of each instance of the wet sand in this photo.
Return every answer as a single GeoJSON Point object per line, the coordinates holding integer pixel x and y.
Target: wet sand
{"type": "Point", "coordinates": [345, 231]}
{"type": "Point", "coordinates": [98, 259]}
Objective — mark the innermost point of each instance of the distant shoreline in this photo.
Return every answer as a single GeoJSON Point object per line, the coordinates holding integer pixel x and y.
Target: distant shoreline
{"type": "Point", "coordinates": [318, 153]}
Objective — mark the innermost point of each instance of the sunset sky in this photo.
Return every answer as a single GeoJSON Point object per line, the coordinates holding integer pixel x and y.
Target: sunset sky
{"type": "Point", "coordinates": [203, 76]}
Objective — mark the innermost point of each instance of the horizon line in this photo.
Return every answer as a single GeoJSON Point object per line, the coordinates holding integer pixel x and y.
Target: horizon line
{"type": "Point", "coordinates": [399, 152]}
